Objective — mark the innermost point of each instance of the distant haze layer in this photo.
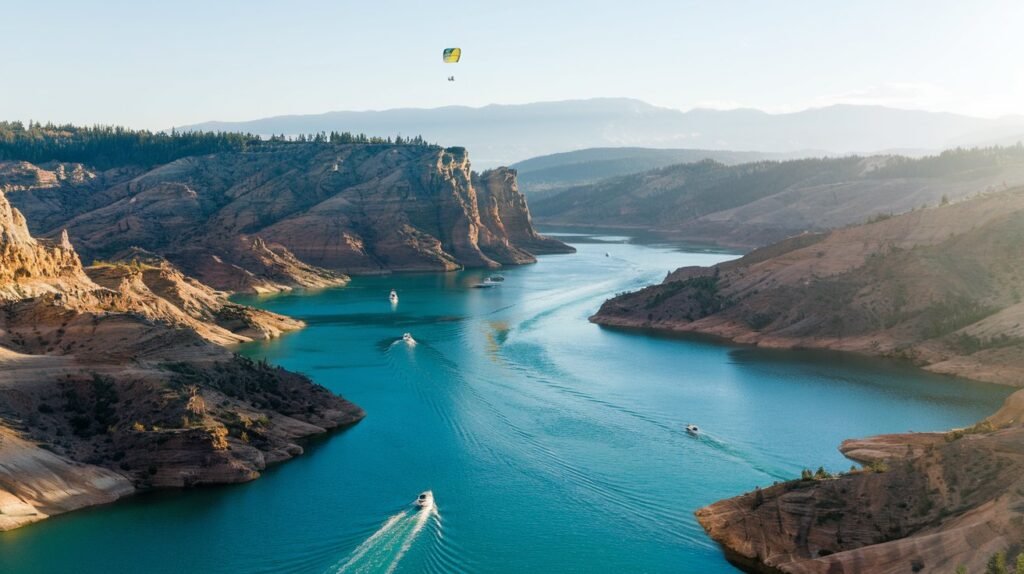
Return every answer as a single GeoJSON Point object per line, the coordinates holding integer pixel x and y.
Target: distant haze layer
{"type": "Point", "coordinates": [504, 134]}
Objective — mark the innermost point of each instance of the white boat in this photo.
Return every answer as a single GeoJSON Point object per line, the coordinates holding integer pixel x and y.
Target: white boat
{"type": "Point", "coordinates": [425, 500]}
{"type": "Point", "coordinates": [495, 278]}
{"type": "Point", "coordinates": [393, 296]}
{"type": "Point", "coordinates": [692, 429]}
{"type": "Point", "coordinates": [407, 339]}
{"type": "Point", "coordinates": [487, 284]}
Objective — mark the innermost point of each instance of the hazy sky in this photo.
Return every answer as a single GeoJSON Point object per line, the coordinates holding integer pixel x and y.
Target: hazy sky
{"type": "Point", "coordinates": [159, 64]}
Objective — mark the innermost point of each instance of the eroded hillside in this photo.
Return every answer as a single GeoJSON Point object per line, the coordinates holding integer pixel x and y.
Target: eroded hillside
{"type": "Point", "coordinates": [275, 217]}
{"type": "Point", "coordinates": [111, 381]}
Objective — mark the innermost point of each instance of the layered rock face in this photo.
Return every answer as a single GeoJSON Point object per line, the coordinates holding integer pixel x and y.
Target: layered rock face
{"type": "Point", "coordinates": [941, 287]}
{"type": "Point", "coordinates": [935, 502]}
{"type": "Point", "coordinates": [303, 214]}
{"type": "Point", "coordinates": [29, 267]}
{"type": "Point", "coordinates": [111, 381]}
{"type": "Point", "coordinates": [503, 209]}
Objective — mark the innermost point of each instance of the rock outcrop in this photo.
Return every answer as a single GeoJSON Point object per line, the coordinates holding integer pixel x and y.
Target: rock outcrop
{"type": "Point", "coordinates": [149, 285]}
{"type": "Point", "coordinates": [941, 287]}
{"type": "Point", "coordinates": [932, 503]}
{"type": "Point", "coordinates": [300, 214]}
{"type": "Point", "coordinates": [111, 381]}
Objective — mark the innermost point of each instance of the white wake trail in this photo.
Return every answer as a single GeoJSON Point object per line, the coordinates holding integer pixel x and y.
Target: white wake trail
{"type": "Point", "coordinates": [385, 548]}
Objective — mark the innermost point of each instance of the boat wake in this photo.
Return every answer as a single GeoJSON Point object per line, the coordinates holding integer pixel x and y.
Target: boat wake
{"type": "Point", "coordinates": [385, 548]}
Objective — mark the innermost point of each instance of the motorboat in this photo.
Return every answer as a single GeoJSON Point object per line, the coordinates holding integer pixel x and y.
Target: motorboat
{"type": "Point", "coordinates": [692, 429]}
{"type": "Point", "coordinates": [393, 296]}
{"type": "Point", "coordinates": [496, 278]}
{"type": "Point", "coordinates": [487, 284]}
{"type": "Point", "coordinates": [407, 339]}
{"type": "Point", "coordinates": [425, 500]}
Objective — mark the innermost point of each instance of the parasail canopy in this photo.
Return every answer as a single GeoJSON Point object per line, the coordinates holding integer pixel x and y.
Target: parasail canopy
{"type": "Point", "coordinates": [452, 55]}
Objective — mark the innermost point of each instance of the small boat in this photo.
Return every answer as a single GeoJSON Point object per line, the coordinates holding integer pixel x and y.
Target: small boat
{"type": "Point", "coordinates": [487, 284]}
{"type": "Point", "coordinates": [407, 339]}
{"type": "Point", "coordinates": [495, 278]}
{"type": "Point", "coordinates": [425, 500]}
{"type": "Point", "coordinates": [393, 296]}
{"type": "Point", "coordinates": [606, 254]}
{"type": "Point", "coordinates": [692, 429]}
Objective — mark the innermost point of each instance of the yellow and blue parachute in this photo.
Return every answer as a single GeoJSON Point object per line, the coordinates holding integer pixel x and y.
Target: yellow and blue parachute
{"type": "Point", "coordinates": [452, 55]}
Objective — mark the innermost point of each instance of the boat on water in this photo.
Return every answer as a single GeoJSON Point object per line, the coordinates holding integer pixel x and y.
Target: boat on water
{"type": "Point", "coordinates": [407, 339]}
{"type": "Point", "coordinates": [393, 297]}
{"type": "Point", "coordinates": [692, 429]}
{"type": "Point", "coordinates": [425, 500]}
{"type": "Point", "coordinates": [490, 282]}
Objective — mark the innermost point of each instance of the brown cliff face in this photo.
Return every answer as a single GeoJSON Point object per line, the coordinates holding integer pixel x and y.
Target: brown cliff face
{"type": "Point", "coordinates": [113, 384]}
{"type": "Point", "coordinates": [939, 501]}
{"type": "Point", "coordinates": [303, 214]}
{"type": "Point", "coordinates": [29, 267]}
{"type": "Point", "coordinates": [504, 208]}
{"type": "Point", "coordinates": [939, 286]}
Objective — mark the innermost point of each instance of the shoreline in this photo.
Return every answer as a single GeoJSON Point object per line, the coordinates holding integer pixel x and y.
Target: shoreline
{"type": "Point", "coordinates": [752, 339]}
{"type": "Point", "coordinates": [750, 538]}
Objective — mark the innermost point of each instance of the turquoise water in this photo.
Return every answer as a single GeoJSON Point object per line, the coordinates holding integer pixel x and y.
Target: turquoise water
{"type": "Point", "coordinates": [551, 445]}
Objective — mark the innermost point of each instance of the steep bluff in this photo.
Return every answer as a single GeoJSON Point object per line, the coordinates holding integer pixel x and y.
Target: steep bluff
{"type": "Point", "coordinates": [111, 381]}
{"type": "Point", "coordinates": [503, 209]}
{"type": "Point", "coordinates": [300, 214]}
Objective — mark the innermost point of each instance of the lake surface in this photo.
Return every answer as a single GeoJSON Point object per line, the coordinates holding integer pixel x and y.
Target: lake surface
{"type": "Point", "coordinates": [551, 444]}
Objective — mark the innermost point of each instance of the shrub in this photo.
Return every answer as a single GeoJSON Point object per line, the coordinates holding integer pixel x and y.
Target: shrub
{"type": "Point", "coordinates": [997, 564]}
{"type": "Point", "coordinates": [878, 466]}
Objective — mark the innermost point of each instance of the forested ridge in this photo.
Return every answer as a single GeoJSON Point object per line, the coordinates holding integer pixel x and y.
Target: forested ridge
{"type": "Point", "coordinates": [104, 147]}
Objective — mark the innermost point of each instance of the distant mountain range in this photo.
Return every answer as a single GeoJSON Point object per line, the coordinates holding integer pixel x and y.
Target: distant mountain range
{"type": "Point", "coordinates": [505, 134]}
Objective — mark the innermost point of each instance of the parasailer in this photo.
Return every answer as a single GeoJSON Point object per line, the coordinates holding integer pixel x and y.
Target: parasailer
{"type": "Point", "coordinates": [451, 56]}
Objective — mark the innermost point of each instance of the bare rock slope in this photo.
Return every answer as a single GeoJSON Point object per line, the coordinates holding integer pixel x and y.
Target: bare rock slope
{"type": "Point", "coordinates": [296, 214]}
{"type": "Point", "coordinates": [111, 381]}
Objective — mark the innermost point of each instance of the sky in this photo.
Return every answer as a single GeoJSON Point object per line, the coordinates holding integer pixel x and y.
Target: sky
{"type": "Point", "coordinates": [160, 64]}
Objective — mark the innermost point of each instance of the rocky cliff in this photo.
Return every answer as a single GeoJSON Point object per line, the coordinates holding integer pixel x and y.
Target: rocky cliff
{"type": "Point", "coordinates": [932, 503]}
{"type": "Point", "coordinates": [293, 214]}
{"type": "Point", "coordinates": [111, 381]}
{"type": "Point", "coordinates": [941, 287]}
